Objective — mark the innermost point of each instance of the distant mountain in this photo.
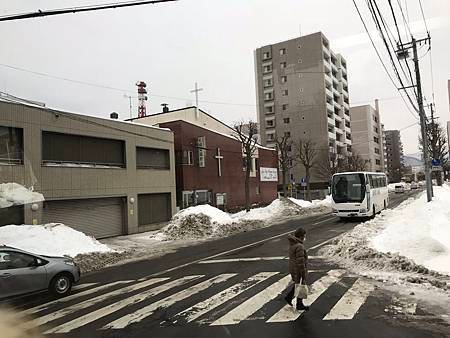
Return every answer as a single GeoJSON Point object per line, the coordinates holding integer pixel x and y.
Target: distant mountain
{"type": "Point", "coordinates": [412, 160]}
{"type": "Point", "coordinates": [417, 156]}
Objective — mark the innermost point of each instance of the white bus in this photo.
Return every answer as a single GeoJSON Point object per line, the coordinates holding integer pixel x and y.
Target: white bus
{"type": "Point", "coordinates": [359, 194]}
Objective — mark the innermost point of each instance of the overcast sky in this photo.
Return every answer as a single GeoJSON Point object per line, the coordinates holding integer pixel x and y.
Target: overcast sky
{"type": "Point", "coordinates": [172, 45]}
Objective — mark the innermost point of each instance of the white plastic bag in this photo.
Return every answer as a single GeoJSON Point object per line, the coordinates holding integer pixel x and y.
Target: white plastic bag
{"type": "Point", "coordinates": [301, 291]}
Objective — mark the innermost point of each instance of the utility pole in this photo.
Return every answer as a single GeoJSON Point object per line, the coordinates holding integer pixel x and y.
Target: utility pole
{"type": "Point", "coordinates": [402, 53]}
{"type": "Point", "coordinates": [196, 90]}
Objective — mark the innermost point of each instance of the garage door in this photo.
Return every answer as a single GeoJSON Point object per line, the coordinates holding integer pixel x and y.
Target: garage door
{"type": "Point", "coordinates": [98, 217]}
{"type": "Point", "coordinates": [153, 208]}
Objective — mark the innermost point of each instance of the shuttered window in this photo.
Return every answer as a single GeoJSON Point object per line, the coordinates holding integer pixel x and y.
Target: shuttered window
{"type": "Point", "coordinates": [153, 208]}
{"type": "Point", "coordinates": [11, 145]}
{"type": "Point", "coordinates": [77, 149]}
{"type": "Point", "coordinates": [12, 215]}
{"type": "Point", "coordinates": [152, 158]}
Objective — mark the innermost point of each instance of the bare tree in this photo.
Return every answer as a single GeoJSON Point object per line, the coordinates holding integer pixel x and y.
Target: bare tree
{"type": "Point", "coordinates": [286, 158]}
{"type": "Point", "coordinates": [306, 153]}
{"type": "Point", "coordinates": [245, 133]}
{"type": "Point", "coordinates": [355, 162]}
{"type": "Point", "coordinates": [329, 164]}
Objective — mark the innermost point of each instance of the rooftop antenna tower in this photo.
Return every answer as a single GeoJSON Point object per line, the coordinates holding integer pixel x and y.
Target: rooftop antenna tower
{"type": "Point", "coordinates": [142, 97]}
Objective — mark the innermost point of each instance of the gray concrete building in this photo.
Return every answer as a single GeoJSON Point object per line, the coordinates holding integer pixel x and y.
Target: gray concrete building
{"type": "Point", "coordinates": [394, 155]}
{"type": "Point", "coordinates": [367, 135]}
{"type": "Point", "coordinates": [302, 91]}
{"type": "Point", "coordinates": [99, 176]}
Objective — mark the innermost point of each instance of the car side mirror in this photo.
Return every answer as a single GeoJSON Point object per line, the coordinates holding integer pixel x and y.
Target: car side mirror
{"type": "Point", "coordinates": [37, 262]}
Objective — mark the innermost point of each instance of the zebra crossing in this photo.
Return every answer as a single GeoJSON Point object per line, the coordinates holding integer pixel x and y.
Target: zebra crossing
{"type": "Point", "coordinates": [220, 300]}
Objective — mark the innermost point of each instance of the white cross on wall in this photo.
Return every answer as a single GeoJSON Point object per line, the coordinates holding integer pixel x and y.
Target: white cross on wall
{"type": "Point", "coordinates": [218, 157]}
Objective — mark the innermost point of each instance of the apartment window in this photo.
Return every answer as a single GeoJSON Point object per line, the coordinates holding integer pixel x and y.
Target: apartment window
{"type": "Point", "coordinates": [289, 148]}
{"type": "Point", "coordinates": [377, 151]}
{"type": "Point", "coordinates": [257, 190]}
{"type": "Point", "coordinates": [11, 145]}
{"type": "Point", "coordinates": [268, 83]}
{"type": "Point", "coordinates": [270, 123]}
{"type": "Point", "coordinates": [299, 46]}
{"type": "Point", "coordinates": [302, 102]}
{"type": "Point", "coordinates": [283, 79]}
{"type": "Point", "coordinates": [267, 68]}
{"type": "Point", "coordinates": [300, 75]}
{"type": "Point", "coordinates": [376, 139]}
{"type": "Point", "coordinates": [201, 145]}
{"type": "Point", "coordinates": [377, 162]}
{"type": "Point", "coordinates": [187, 157]}
{"type": "Point", "coordinates": [287, 134]}
{"type": "Point", "coordinates": [284, 92]}
{"type": "Point", "coordinates": [300, 61]}
{"type": "Point", "coordinates": [152, 158]}
{"type": "Point", "coordinates": [282, 51]}
{"type": "Point", "coordinates": [286, 120]}
{"type": "Point", "coordinates": [268, 96]}
{"type": "Point", "coordinates": [284, 106]}
{"type": "Point", "coordinates": [283, 65]}
{"type": "Point", "coordinates": [375, 129]}
{"type": "Point", "coordinates": [270, 137]}
{"type": "Point", "coordinates": [58, 148]}
{"type": "Point", "coordinates": [269, 109]}
{"type": "Point", "coordinates": [375, 118]}
{"type": "Point", "coordinates": [266, 55]}
{"type": "Point", "coordinates": [301, 90]}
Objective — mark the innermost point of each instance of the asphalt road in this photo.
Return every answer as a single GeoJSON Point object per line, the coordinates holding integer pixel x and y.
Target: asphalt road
{"type": "Point", "coordinates": [231, 287]}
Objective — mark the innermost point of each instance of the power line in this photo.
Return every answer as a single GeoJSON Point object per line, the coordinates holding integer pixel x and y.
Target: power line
{"type": "Point", "coordinates": [405, 23]}
{"type": "Point", "coordinates": [423, 16]}
{"type": "Point", "coordinates": [381, 60]}
{"type": "Point", "coordinates": [89, 8]}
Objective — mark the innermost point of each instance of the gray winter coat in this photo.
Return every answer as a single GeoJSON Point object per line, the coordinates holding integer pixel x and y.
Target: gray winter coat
{"type": "Point", "coordinates": [298, 259]}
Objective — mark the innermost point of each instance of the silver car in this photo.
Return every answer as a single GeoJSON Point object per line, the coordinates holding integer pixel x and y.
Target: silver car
{"type": "Point", "coordinates": [22, 272]}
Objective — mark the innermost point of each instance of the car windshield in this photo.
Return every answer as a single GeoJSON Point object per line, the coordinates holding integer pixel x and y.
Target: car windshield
{"type": "Point", "coordinates": [348, 188]}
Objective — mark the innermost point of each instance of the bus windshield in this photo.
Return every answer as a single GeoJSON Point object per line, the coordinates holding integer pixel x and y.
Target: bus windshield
{"type": "Point", "coordinates": [348, 188]}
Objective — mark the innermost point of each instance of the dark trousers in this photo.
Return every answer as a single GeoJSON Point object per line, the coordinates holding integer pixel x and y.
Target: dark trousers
{"type": "Point", "coordinates": [290, 294]}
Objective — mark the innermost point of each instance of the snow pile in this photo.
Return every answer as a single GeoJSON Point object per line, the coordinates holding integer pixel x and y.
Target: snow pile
{"type": "Point", "coordinates": [204, 221]}
{"type": "Point", "coordinates": [50, 239]}
{"type": "Point", "coordinates": [421, 232]}
{"type": "Point", "coordinates": [413, 240]}
{"type": "Point", "coordinates": [16, 194]}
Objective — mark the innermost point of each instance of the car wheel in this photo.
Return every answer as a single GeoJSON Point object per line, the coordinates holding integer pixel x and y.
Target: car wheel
{"type": "Point", "coordinates": [61, 284]}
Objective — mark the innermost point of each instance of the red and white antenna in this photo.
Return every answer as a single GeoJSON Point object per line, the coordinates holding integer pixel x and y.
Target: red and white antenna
{"type": "Point", "coordinates": [142, 110]}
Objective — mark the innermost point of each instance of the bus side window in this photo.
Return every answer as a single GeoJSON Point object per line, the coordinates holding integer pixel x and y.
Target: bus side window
{"type": "Point", "coordinates": [371, 181]}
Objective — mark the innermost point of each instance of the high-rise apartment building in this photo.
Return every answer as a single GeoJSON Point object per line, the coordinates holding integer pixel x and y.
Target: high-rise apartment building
{"type": "Point", "coordinates": [367, 136]}
{"type": "Point", "coordinates": [302, 92]}
{"type": "Point", "coordinates": [394, 155]}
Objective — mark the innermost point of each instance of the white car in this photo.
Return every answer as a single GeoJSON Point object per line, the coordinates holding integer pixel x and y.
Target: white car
{"type": "Point", "coordinates": [414, 185]}
{"type": "Point", "coordinates": [399, 188]}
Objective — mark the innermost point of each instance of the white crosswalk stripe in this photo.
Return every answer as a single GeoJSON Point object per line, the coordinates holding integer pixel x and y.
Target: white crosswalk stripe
{"type": "Point", "coordinates": [250, 306]}
{"type": "Point", "coordinates": [288, 313]}
{"type": "Point", "coordinates": [222, 297]}
{"type": "Point", "coordinates": [82, 286]}
{"type": "Point", "coordinates": [71, 297]}
{"type": "Point", "coordinates": [349, 304]}
{"type": "Point", "coordinates": [89, 302]}
{"type": "Point", "coordinates": [104, 311]}
{"type": "Point", "coordinates": [146, 311]}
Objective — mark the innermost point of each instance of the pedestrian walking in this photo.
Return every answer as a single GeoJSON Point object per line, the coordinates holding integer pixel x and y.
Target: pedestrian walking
{"type": "Point", "coordinates": [298, 268]}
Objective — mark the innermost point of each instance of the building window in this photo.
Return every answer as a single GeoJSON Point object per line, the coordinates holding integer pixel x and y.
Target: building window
{"type": "Point", "coordinates": [201, 145]}
{"type": "Point", "coordinates": [287, 134]}
{"type": "Point", "coordinates": [283, 65]}
{"type": "Point", "coordinates": [284, 92]}
{"type": "Point", "coordinates": [300, 61]}
{"type": "Point", "coordinates": [289, 148]}
{"type": "Point", "coordinates": [286, 120]}
{"type": "Point", "coordinates": [377, 151]}
{"type": "Point", "coordinates": [283, 79]}
{"type": "Point", "coordinates": [375, 118]}
{"type": "Point", "coordinates": [268, 96]}
{"type": "Point", "coordinates": [376, 139]}
{"type": "Point", "coordinates": [257, 190]}
{"type": "Point", "coordinates": [284, 106]}
{"type": "Point", "coordinates": [268, 83]}
{"type": "Point", "coordinates": [11, 145]}
{"type": "Point", "coordinates": [375, 129]}
{"type": "Point", "coordinates": [267, 68]}
{"type": "Point", "coordinates": [269, 109]}
{"type": "Point", "coordinates": [187, 157]}
{"type": "Point", "coordinates": [58, 148]}
{"type": "Point", "coordinates": [377, 162]}
{"type": "Point", "coordinates": [301, 90]}
{"type": "Point", "coordinates": [282, 51]}
{"type": "Point", "coordinates": [270, 123]}
{"type": "Point", "coordinates": [300, 75]}
{"type": "Point", "coordinates": [302, 102]}
{"type": "Point", "coordinates": [266, 55]}
{"type": "Point", "coordinates": [270, 137]}
{"type": "Point", "coordinates": [152, 158]}
{"type": "Point", "coordinates": [299, 46]}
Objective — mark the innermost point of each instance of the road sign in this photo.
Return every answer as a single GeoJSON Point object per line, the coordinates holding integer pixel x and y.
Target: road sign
{"type": "Point", "coordinates": [435, 162]}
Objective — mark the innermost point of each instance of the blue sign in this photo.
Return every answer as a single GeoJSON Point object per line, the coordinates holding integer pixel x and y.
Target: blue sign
{"type": "Point", "coordinates": [435, 162]}
{"type": "Point", "coordinates": [303, 180]}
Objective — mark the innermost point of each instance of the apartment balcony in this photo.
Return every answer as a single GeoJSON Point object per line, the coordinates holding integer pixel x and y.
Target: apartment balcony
{"type": "Point", "coordinates": [343, 80]}
{"type": "Point", "coordinates": [326, 51]}
{"type": "Point", "coordinates": [345, 104]}
{"type": "Point", "coordinates": [337, 118]}
{"type": "Point", "coordinates": [328, 93]}
{"type": "Point", "coordinates": [348, 129]}
{"type": "Point", "coordinates": [343, 70]}
{"type": "Point", "coordinates": [330, 120]}
{"type": "Point", "coordinates": [337, 104]}
{"type": "Point", "coordinates": [336, 91]}
{"type": "Point", "coordinates": [330, 107]}
{"type": "Point", "coordinates": [334, 67]}
{"type": "Point", "coordinates": [345, 93]}
{"type": "Point", "coordinates": [332, 136]}
{"type": "Point", "coordinates": [339, 131]}
{"type": "Point", "coordinates": [328, 79]}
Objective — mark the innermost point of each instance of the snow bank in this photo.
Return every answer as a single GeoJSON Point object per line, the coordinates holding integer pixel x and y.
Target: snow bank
{"type": "Point", "coordinates": [420, 232]}
{"type": "Point", "coordinates": [16, 194]}
{"type": "Point", "coordinates": [413, 240]}
{"type": "Point", "coordinates": [50, 239]}
{"type": "Point", "coordinates": [204, 221]}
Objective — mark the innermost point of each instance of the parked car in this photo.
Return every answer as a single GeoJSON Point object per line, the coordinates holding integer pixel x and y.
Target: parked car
{"type": "Point", "coordinates": [399, 188]}
{"type": "Point", "coordinates": [22, 272]}
{"type": "Point", "coordinates": [414, 185]}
